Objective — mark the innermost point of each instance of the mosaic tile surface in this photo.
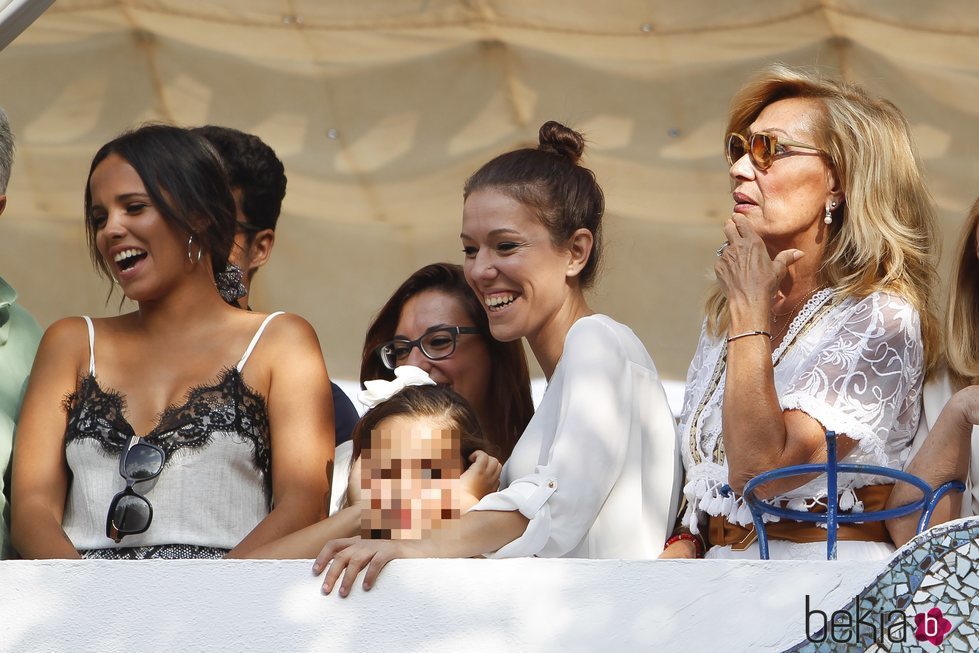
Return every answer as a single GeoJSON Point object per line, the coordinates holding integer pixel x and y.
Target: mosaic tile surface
{"type": "Point", "coordinates": [937, 569]}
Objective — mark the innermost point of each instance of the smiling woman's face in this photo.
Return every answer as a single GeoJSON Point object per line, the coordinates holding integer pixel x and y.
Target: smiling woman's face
{"type": "Point", "coordinates": [141, 249]}
{"type": "Point", "coordinates": [512, 265]}
{"type": "Point", "coordinates": [468, 369]}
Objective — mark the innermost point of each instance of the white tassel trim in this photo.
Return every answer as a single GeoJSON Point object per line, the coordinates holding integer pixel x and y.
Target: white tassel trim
{"type": "Point", "coordinates": [703, 494]}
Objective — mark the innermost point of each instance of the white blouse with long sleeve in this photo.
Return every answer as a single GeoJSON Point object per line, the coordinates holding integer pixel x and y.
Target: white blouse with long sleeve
{"type": "Point", "coordinates": [595, 471]}
{"type": "Point", "coordinates": [854, 365]}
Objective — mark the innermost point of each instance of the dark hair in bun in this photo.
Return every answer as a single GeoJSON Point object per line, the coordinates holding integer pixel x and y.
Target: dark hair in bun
{"type": "Point", "coordinates": [558, 139]}
{"type": "Point", "coordinates": [548, 179]}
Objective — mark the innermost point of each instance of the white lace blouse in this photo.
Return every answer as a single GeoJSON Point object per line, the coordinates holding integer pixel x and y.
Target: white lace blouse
{"type": "Point", "coordinates": [854, 365]}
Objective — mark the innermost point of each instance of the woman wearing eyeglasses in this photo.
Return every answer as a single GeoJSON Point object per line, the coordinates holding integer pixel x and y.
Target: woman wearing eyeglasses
{"type": "Point", "coordinates": [592, 474]}
{"type": "Point", "coordinates": [188, 427]}
{"type": "Point", "coordinates": [432, 321]}
{"type": "Point", "coordinates": [435, 322]}
{"type": "Point", "coordinates": [820, 318]}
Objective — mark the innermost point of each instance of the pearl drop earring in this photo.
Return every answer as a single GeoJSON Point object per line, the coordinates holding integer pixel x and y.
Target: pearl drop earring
{"type": "Point", "coordinates": [828, 216]}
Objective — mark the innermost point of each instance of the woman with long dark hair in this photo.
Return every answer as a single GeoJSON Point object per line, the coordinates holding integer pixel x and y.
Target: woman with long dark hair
{"type": "Point", "coordinates": [435, 322]}
{"type": "Point", "coordinates": [191, 428]}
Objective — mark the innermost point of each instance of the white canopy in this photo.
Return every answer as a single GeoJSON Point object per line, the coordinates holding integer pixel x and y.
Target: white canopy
{"type": "Point", "coordinates": [380, 109]}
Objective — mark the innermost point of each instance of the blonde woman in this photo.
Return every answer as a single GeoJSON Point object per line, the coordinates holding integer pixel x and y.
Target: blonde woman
{"type": "Point", "coordinates": [947, 445]}
{"type": "Point", "coordinates": [820, 318]}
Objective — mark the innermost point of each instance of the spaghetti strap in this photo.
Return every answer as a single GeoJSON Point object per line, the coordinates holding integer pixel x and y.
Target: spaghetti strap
{"type": "Point", "coordinates": [91, 344]}
{"type": "Point", "coordinates": [251, 345]}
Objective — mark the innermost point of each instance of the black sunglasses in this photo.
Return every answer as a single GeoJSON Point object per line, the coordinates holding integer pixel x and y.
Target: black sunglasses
{"type": "Point", "coordinates": [436, 344]}
{"type": "Point", "coordinates": [130, 513]}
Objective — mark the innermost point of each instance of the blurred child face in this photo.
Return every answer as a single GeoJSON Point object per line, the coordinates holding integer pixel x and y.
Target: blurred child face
{"type": "Point", "coordinates": [409, 478]}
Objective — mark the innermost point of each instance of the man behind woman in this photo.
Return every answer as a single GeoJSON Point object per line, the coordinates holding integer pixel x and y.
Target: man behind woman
{"type": "Point", "coordinates": [258, 183]}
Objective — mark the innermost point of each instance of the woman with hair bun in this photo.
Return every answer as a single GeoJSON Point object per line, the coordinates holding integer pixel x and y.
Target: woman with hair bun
{"type": "Point", "coordinates": [593, 473]}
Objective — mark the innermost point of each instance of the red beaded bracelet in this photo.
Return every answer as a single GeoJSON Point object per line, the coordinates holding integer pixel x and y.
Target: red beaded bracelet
{"type": "Point", "coordinates": [690, 538]}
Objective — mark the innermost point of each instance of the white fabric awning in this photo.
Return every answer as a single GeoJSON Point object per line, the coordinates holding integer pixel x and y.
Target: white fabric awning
{"type": "Point", "coordinates": [380, 109]}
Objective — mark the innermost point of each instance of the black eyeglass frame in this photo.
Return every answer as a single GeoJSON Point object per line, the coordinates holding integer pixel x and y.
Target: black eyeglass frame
{"type": "Point", "coordinates": [454, 331]}
{"type": "Point", "coordinates": [112, 531]}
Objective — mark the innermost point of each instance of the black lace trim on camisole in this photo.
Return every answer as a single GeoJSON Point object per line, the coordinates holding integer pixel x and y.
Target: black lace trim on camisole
{"type": "Point", "coordinates": [227, 406]}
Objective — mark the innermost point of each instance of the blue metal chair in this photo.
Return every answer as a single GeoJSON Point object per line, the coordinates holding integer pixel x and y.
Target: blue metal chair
{"type": "Point", "coordinates": [832, 518]}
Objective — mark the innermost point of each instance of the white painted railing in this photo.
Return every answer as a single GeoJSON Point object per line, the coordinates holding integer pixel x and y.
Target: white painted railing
{"type": "Point", "coordinates": [503, 605]}
{"type": "Point", "coordinates": [430, 605]}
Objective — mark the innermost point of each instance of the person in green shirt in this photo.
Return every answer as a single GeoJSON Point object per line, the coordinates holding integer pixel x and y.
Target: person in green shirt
{"type": "Point", "coordinates": [19, 337]}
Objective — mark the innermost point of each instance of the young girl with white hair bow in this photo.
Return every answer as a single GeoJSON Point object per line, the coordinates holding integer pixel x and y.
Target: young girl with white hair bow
{"type": "Point", "coordinates": [418, 453]}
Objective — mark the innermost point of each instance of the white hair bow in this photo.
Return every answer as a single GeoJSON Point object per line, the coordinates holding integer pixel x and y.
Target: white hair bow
{"type": "Point", "coordinates": [380, 390]}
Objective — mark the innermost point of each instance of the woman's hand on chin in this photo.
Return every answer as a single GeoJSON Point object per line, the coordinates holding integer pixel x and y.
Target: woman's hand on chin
{"type": "Point", "coordinates": [353, 554]}
{"type": "Point", "coordinates": [744, 268]}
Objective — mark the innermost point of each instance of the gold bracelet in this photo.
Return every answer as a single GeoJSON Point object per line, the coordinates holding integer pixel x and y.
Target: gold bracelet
{"type": "Point", "coordinates": [750, 333]}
